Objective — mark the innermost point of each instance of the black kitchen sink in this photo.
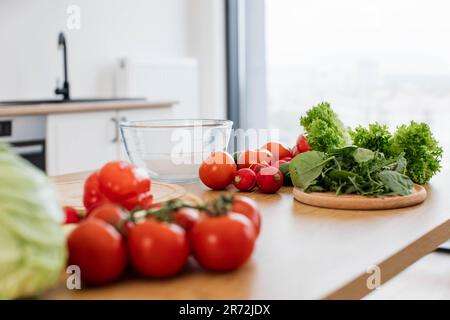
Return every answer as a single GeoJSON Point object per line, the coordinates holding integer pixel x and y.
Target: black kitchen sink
{"type": "Point", "coordinates": [51, 101]}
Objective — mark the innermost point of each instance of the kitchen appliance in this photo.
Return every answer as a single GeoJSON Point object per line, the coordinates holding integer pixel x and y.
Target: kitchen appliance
{"type": "Point", "coordinates": [174, 79]}
{"type": "Point", "coordinates": [26, 135]}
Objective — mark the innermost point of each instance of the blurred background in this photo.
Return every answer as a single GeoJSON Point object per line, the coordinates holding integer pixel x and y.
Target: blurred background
{"type": "Point", "coordinates": [261, 63]}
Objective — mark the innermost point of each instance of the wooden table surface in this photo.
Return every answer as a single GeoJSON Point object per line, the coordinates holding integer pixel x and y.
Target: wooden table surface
{"type": "Point", "coordinates": [303, 252]}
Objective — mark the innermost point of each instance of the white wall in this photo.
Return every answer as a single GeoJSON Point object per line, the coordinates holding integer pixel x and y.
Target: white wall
{"type": "Point", "coordinates": [110, 29]}
{"type": "Point", "coordinates": [30, 62]}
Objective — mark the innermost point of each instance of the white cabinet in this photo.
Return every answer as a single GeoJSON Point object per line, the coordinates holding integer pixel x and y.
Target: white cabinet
{"type": "Point", "coordinates": [80, 141]}
{"type": "Point", "coordinates": [86, 140]}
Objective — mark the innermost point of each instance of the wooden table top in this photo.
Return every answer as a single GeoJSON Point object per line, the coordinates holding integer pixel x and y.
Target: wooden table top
{"type": "Point", "coordinates": [303, 252]}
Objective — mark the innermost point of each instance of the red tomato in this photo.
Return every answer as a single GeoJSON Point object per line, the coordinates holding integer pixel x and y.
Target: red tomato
{"type": "Point", "coordinates": [278, 150]}
{"type": "Point", "coordinates": [72, 215]}
{"type": "Point", "coordinates": [248, 208]}
{"type": "Point", "coordinates": [279, 163]}
{"type": "Point", "coordinates": [120, 180]}
{"type": "Point", "coordinates": [244, 179]}
{"type": "Point", "coordinates": [186, 218]}
{"type": "Point", "coordinates": [158, 249]}
{"type": "Point", "coordinates": [256, 167]}
{"type": "Point", "coordinates": [248, 157]}
{"type": "Point", "coordinates": [110, 213]}
{"type": "Point", "coordinates": [223, 243]}
{"type": "Point", "coordinates": [287, 159]}
{"type": "Point", "coordinates": [218, 170]}
{"type": "Point", "coordinates": [302, 144]}
{"type": "Point", "coordinates": [92, 195]}
{"type": "Point", "coordinates": [98, 249]}
{"type": "Point", "coordinates": [269, 180]}
{"type": "Point", "coordinates": [141, 201]}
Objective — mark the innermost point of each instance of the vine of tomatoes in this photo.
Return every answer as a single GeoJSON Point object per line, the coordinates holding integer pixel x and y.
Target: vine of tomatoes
{"type": "Point", "coordinates": [155, 240]}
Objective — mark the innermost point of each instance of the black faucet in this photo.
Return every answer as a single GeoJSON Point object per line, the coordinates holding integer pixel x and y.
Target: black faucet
{"type": "Point", "coordinates": [64, 91]}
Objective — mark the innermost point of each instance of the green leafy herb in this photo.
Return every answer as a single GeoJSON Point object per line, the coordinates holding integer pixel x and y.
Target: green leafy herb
{"type": "Point", "coordinates": [324, 129]}
{"type": "Point", "coordinates": [307, 167]}
{"type": "Point", "coordinates": [350, 170]}
{"type": "Point", "coordinates": [363, 155]}
{"type": "Point", "coordinates": [398, 183]}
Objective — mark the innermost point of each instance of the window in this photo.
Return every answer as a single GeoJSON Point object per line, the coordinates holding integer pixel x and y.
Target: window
{"type": "Point", "coordinates": [385, 61]}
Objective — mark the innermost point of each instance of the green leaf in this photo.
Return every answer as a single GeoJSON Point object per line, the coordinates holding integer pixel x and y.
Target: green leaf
{"type": "Point", "coordinates": [307, 167]}
{"type": "Point", "coordinates": [362, 155]}
{"type": "Point", "coordinates": [398, 183]}
{"type": "Point", "coordinates": [343, 175]}
{"type": "Point", "coordinates": [284, 169]}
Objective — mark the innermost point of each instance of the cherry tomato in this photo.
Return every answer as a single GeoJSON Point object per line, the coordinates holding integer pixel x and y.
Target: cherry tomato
{"type": "Point", "coordinates": [98, 249]}
{"type": "Point", "coordinates": [286, 159]}
{"type": "Point", "coordinates": [248, 157]}
{"type": "Point", "coordinates": [256, 167]}
{"type": "Point", "coordinates": [278, 150]}
{"type": "Point", "coordinates": [248, 208]}
{"type": "Point", "coordinates": [244, 179]}
{"type": "Point", "coordinates": [120, 180]}
{"type": "Point", "coordinates": [158, 249]}
{"type": "Point", "coordinates": [110, 213]}
{"type": "Point", "coordinates": [92, 195]}
{"type": "Point", "coordinates": [269, 180]}
{"type": "Point", "coordinates": [223, 243]}
{"type": "Point", "coordinates": [71, 214]}
{"type": "Point", "coordinates": [302, 144]}
{"type": "Point", "coordinates": [218, 170]}
{"type": "Point", "coordinates": [141, 201]}
{"type": "Point", "coordinates": [186, 218]}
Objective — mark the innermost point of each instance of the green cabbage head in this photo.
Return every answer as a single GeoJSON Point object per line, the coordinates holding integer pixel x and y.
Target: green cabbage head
{"type": "Point", "coordinates": [32, 243]}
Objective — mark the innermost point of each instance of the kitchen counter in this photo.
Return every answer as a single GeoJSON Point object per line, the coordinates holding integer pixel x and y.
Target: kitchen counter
{"type": "Point", "coordinates": [54, 108]}
{"type": "Point", "coordinates": [303, 252]}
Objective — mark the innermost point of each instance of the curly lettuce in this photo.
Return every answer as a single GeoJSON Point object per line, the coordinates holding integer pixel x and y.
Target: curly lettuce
{"type": "Point", "coordinates": [324, 129]}
{"type": "Point", "coordinates": [421, 150]}
{"type": "Point", "coordinates": [375, 137]}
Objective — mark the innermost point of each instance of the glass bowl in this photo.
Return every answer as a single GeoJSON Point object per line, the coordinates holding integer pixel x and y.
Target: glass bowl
{"type": "Point", "coordinates": [172, 150]}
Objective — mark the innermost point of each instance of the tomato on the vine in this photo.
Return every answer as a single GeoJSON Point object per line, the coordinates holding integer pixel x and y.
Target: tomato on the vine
{"type": "Point", "coordinates": [248, 208]}
{"type": "Point", "coordinates": [110, 213]}
{"type": "Point", "coordinates": [186, 217]}
{"type": "Point", "coordinates": [158, 249]}
{"type": "Point", "coordinates": [120, 180]}
{"type": "Point", "coordinates": [92, 196]}
{"type": "Point", "coordinates": [223, 243]}
{"type": "Point", "coordinates": [218, 170]}
{"type": "Point", "coordinates": [98, 250]}
{"type": "Point", "coordinates": [140, 201]}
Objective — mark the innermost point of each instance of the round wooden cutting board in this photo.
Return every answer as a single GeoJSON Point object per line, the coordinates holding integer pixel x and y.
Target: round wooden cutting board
{"type": "Point", "coordinates": [357, 202]}
{"type": "Point", "coordinates": [70, 191]}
